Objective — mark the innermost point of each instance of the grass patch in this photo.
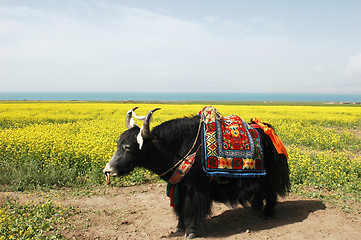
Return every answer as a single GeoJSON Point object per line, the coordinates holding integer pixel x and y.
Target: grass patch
{"type": "Point", "coordinates": [29, 176]}
{"type": "Point", "coordinates": [347, 202]}
{"type": "Point", "coordinates": [32, 221]}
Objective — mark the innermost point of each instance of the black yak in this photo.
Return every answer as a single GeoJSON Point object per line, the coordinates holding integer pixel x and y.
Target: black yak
{"type": "Point", "coordinates": [163, 148]}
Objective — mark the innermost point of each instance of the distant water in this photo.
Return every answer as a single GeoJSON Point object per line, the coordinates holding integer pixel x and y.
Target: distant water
{"type": "Point", "coordinates": [181, 96]}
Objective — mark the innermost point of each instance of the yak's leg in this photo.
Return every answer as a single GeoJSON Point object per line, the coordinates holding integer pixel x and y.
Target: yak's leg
{"type": "Point", "coordinates": [271, 200]}
{"type": "Point", "coordinates": [191, 229]}
{"type": "Point", "coordinates": [196, 209]}
{"type": "Point", "coordinates": [190, 215]}
{"type": "Point", "coordinates": [181, 226]}
{"type": "Point", "coordinates": [185, 215]}
{"type": "Point", "coordinates": [257, 202]}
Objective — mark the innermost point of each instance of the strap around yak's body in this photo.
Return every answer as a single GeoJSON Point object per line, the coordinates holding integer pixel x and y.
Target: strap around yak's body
{"type": "Point", "coordinates": [182, 169]}
{"type": "Point", "coordinates": [271, 133]}
{"type": "Point", "coordinates": [178, 175]}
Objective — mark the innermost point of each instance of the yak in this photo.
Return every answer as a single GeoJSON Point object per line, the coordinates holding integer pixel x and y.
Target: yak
{"type": "Point", "coordinates": [161, 150]}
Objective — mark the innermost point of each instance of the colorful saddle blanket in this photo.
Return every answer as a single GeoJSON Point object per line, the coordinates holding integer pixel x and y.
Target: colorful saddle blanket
{"type": "Point", "coordinates": [232, 148]}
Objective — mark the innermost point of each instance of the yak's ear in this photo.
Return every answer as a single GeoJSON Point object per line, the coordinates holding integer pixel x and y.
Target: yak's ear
{"type": "Point", "coordinates": [144, 132]}
{"type": "Point", "coordinates": [140, 139]}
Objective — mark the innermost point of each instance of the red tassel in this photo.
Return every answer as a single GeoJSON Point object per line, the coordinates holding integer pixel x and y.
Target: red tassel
{"type": "Point", "coordinates": [171, 196]}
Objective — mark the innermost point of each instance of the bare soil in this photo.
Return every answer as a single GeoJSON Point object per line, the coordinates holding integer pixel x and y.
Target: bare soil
{"type": "Point", "coordinates": [143, 212]}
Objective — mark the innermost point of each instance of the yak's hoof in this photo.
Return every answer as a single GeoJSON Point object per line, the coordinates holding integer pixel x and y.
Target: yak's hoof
{"type": "Point", "coordinates": [190, 235]}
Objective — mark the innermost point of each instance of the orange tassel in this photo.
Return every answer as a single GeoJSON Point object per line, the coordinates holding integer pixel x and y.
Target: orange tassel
{"type": "Point", "coordinates": [275, 139]}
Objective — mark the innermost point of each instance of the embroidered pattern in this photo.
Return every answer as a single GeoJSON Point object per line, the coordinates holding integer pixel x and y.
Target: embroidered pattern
{"type": "Point", "coordinates": [182, 169]}
{"type": "Point", "coordinates": [232, 147]}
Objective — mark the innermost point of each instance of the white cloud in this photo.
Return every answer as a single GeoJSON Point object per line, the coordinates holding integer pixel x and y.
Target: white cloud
{"type": "Point", "coordinates": [64, 51]}
{"type": "Point", "coordinates": [101, 46]}
{"type": "Point", "coordinates": [354, 65]}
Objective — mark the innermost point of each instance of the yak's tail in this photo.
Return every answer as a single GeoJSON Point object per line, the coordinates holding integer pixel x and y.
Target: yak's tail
{"type": "Point", "coordinates": [279, 168]}
{"type": "Point", "coordinates": [285, 184]}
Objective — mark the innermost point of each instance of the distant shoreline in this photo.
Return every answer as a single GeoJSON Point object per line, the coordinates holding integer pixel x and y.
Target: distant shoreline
{"type": "Point", "coordinates": [265, 103]}
{"type": "Point", "coordinates": [179, 97]}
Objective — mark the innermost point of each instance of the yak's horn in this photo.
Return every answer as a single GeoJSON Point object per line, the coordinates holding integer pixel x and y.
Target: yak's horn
{"type": "Point", "coordinates": [142, 118]}
{"type": "Point", "coordinates": [146, 129]}
{"type": "Point", "coordinates": [129, 119]}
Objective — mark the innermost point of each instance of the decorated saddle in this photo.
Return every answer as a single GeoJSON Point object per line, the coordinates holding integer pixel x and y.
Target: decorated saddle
{"type": "Point", "coordinates": [232, 148]}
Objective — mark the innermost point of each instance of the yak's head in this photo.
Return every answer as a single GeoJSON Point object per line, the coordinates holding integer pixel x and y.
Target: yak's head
{"type": "Point", "coordinates": [130, 143]}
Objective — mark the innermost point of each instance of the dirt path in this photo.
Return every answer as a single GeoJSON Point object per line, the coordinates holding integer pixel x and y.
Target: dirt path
{"type": "Point", "coordinates": [143, 212]}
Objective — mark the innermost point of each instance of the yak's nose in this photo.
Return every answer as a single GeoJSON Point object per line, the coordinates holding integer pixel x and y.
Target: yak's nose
{"type": "Point", "coordinates": [109, 170]}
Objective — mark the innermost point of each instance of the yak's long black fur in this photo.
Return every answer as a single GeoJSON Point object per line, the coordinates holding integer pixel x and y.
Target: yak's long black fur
{"type": "Point", "coordinates": [171, 140]}
{"type": "Point", "coordinates": [197, 191]}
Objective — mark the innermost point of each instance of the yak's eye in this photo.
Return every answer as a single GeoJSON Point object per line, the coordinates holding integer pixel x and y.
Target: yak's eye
{"type": "Point", "coordinates": [127, 147]}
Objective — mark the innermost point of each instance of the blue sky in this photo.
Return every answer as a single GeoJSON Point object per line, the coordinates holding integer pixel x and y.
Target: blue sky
{"type": "Point", "coordinates": [181, 46]}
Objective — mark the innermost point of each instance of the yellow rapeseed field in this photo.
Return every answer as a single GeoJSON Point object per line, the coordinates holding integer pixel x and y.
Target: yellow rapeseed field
{"type": "Point", "coordinates": [65, 143]}
{"type": "Point", "coordinates": [54, 144]}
